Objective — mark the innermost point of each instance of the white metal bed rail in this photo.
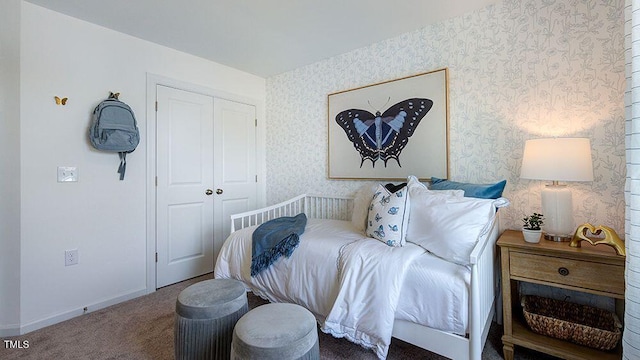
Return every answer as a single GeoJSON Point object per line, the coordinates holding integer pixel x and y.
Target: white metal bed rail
{"type": "Point", "coordinates": [314, 206]}
{"type": "Point", "coordinates": [324, 207]}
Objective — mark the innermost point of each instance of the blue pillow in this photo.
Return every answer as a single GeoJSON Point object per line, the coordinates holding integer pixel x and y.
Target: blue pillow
{"type": "Point", "coordinates": [482, 191]}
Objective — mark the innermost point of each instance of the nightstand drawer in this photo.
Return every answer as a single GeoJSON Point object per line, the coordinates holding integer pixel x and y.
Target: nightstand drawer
{"type": "Point", "coordinates": [576, 273]}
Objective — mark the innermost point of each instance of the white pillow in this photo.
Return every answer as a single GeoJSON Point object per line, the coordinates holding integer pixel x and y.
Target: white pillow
{"type": "Point", "coordinates": [454, 193]}
{"type": "Point", "coordinates": [449, 227]}
{"type": "Point", "coordinates": [415, 185]}
{"type": "Point", "coordinates": [389, 216]}
{"type": "Point", "coordinates": [361, 203]}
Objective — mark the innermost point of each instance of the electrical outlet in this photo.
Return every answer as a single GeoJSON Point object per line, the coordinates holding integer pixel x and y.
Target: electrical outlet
{"type": "Point", "coordinates": [71, 257]}
{"type": "Point", "coordinates": [67, 174]}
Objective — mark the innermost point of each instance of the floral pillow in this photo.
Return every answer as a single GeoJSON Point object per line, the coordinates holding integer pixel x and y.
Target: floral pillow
{"type": "Point", "coordinates": [389, 216]}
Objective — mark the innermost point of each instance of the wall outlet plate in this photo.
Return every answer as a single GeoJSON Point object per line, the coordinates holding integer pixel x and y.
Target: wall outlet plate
{"type": "Point", "coordinates": [67, 174]}
{"type": "Point", "coordinates": [71, 257]}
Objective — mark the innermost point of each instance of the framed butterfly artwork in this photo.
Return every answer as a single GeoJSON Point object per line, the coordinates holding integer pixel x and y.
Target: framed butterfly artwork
{"type": "Point", "coordinates": [391, 130]}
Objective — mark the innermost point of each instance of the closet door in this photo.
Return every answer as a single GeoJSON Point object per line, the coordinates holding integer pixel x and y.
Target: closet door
{"type": "Point", "coordinates": [235, 168]}
{"type": "Point", "coordinates": [184, 170]}
{"type": "Point", "coordinates": [206, 170]}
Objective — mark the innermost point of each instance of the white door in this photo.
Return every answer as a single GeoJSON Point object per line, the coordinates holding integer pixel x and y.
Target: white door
{"type": "Point", "coordinates": [206, 170]}
{"type": "Point", "coordinates": [235, 174]}
{"type": "Point", "coordinates": [184, 169]}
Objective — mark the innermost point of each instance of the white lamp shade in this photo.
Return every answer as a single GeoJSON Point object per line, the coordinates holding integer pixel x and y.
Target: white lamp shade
{"type": "Point", "coordinates": [557, 159]}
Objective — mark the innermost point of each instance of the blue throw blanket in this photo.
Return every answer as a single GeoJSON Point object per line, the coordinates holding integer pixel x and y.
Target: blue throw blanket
{"type": "Point", "coordinates": [275, 238]}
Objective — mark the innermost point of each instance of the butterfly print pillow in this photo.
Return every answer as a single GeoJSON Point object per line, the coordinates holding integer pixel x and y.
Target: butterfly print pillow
{"type": "Point", "coordinates": [388, 216]}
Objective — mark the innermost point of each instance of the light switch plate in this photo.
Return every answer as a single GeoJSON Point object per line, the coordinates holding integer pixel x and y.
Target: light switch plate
{"type": "Point", "coordinates": [67, 173]}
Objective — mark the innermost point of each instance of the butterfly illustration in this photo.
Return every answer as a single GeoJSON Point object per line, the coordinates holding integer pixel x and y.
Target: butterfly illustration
{"type": "Point", "coordinates": [385, 199]}
{"type": "Point", "coordinates": [380, 231]}
{"type": "Point", "coordinates": [383, 136]}
{"type": "Point", "coordinates": [61, 101]}
{"type": "Point", "coordinates": [393, 227]}
{"type": "Point", "coordinates": [393, 210]}
{"type": "Point", "coordinates": [378, 217]}
{"type": "Point", "coordinates": [399, 194]}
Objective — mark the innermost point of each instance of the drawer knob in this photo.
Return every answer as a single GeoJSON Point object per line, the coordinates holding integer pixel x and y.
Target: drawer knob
{"type": "Point", "coordinates": [563, 271]}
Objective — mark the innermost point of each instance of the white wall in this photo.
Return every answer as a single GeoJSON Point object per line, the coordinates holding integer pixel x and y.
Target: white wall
{"type": "Point", "coordinates": [518, 70]}
{"type": "Point", "coordinates": [102, 217]}
{"type": "Point", "coordinates": [10, 167]}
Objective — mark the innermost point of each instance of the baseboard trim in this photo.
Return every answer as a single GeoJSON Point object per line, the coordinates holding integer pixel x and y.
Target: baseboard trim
{"type": "Point", "coordinates": [39, 324]}
{"type": "Point", "coordinates": [9, 330]}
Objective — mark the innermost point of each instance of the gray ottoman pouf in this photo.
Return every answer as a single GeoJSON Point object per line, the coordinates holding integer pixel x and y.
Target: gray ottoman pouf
{"type": "Point", "coordinates": [276, 332]}
{"type": "Point", "coordinates": [206, 313]}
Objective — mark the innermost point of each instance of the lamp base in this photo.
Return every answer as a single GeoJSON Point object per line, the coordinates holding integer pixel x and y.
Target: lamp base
{"type": "Point", "coordinates": [557, 208]}
{"type": "Point", "coordinates": [557, 238]}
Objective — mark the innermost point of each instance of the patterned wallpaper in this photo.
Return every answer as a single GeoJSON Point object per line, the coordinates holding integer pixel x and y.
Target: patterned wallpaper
{"type": "Point", "coordinates": [517, 70]}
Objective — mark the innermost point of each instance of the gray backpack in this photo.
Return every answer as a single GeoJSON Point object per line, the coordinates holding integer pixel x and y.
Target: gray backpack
{"type": "Point", "coordinates": [114, 128]}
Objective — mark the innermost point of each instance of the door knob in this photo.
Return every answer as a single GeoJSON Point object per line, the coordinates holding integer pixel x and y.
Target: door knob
{"type": "Point", "coordinates": [209, 192]}
{"type": "Point", "coordinates": [219, 191]}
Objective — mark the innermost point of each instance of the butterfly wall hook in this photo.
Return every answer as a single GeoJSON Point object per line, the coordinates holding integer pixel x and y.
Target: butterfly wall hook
{"type": "Point", "coordinates": [383, 136]}
{"type": "Point", "coordinates": [61, 101]}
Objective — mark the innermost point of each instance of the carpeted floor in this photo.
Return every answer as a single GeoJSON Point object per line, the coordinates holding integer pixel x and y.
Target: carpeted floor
{"type": "Point", "coordinates": [143, 329]}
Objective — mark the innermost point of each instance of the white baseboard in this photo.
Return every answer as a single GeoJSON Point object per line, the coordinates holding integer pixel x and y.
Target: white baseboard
{"type": "Point", "coordinates": [9, 330]}
{"type": "Point", "coordinates": [39, 324]}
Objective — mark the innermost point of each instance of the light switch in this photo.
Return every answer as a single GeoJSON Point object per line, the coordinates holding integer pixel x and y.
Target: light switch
{"type": "Point", "coordinates": [67, 173]}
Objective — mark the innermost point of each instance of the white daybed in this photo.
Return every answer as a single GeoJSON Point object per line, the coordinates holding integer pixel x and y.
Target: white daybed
{"type": "Point", "coordinates": [477, 279]}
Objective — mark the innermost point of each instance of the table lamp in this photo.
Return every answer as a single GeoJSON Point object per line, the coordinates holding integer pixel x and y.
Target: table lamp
{"type": "Point", "coordinates": [557, 159]}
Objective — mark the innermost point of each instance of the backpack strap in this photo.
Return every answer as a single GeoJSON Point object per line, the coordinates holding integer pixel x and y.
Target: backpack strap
{"type": "Point", "coordinates": [123, 164]}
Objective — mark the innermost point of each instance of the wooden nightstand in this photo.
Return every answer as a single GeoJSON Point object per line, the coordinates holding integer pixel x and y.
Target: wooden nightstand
{"type": "Point", "coordinates": [590, 269]}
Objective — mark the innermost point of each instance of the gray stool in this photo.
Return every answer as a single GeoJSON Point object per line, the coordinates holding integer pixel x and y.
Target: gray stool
{"type": "Point", "coordinates": [276, 332]}
{"type": "Point", "coordinates": [205, 315]}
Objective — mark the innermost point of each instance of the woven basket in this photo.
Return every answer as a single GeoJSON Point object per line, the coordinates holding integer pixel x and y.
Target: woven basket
{"type": "Point", "coordinates": [580, 324]}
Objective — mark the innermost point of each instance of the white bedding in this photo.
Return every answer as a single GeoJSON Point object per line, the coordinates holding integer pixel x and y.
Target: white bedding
{"type": "Point", "coordinates": [434, 292]}
{"type": "Point", "coordinates": [371, 274]}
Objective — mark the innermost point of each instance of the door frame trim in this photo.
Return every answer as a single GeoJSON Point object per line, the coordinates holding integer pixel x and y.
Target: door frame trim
{"type": "Point", "coordinates": [153, 80]}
